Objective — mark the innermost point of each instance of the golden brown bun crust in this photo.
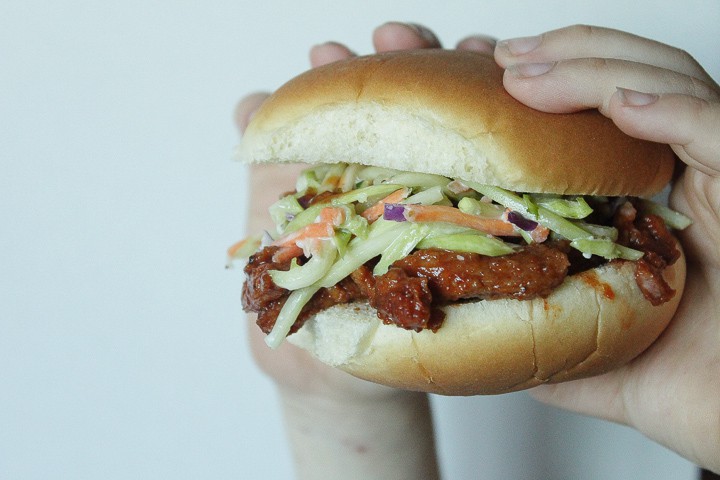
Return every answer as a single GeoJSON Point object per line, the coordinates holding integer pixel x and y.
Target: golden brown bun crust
{"type": "Point", "coordinates": [446, 112]}
{"type": "Point", "coordinates": [594, 322]}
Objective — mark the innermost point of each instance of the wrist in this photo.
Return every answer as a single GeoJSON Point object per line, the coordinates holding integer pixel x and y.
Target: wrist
{"type": "Point", "coordinates": [380, 433]}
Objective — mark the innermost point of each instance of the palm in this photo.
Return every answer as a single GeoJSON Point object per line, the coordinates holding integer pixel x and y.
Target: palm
{"type": "Point", "coordinates": [698, 194]}
{"type": "Point", "coordinates": [682, 367]}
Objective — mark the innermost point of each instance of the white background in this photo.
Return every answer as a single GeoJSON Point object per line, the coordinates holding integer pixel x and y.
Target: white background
{"type": "Point", "coordinates": [122, 344]}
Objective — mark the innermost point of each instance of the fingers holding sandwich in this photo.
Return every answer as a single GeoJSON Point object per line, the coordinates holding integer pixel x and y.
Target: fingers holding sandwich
{"type": "Point", "coordinates": [329, 52]}
{"type": "Point", "coordinates": [407, 36]}
{"type": "Point", "coordinates": [393, 36]}
{"type": "Point", "coordinates": [558, 72]}
{"type": "Point", "coordinates": [584, 41]}
{"type": "Point", "coordinates": [478, 43]}
{"type": "Point", "coordinates": [651, 91]}
{"type": "Point", "coordinates": [687, 122]}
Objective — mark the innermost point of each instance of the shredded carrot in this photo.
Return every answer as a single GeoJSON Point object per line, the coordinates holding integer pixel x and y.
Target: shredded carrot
{"type": "Point", "coordinates": [235, 247]}
{"type": "Point", "coordinates": [376, 211]}
{"type": "Point", "coordinates": [242, 249]}
{"type": "Point", "coordinates": [332, 215]}
{"type": "Point", "coordinates": [306, 240]}
{"type": "Point", "coordinates": [287, 252]}
{"type": "Point", "coordinates": [313, 230]}
{"type": "Point", "coordinates": [442, 213]}
{"type": "Point", "coordinates": [539, 234]}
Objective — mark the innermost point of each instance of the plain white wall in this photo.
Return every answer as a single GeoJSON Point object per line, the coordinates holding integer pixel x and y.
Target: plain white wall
{"type": "Point", "coordinates": [122, 344]}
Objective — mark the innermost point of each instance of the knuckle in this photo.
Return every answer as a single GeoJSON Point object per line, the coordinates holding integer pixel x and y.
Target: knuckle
{"type": "Point", "coordinates": [702, 90]}
{"type": "Point", "coordinates": [597, 65]}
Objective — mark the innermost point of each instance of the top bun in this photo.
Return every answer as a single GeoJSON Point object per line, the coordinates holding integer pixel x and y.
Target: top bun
{"type": "Point", "coordinates": [446, 112]}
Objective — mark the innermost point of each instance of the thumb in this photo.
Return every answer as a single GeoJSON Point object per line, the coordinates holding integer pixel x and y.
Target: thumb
{"type": "Point", "coordinates": [688, 123]}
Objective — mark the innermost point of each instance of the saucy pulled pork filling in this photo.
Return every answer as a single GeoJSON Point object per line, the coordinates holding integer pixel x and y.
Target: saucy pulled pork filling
{"type": "Point", "coordinates": [411, 292]}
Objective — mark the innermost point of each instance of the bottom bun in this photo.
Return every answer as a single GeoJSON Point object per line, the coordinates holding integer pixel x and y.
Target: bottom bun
{"type": "Point", "coordinates": [594, 322]}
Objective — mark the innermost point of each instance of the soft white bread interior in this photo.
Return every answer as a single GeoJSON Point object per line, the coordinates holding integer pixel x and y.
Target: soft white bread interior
{"type": "Point", "coordinates": [594, 322]}
{"type": "Point", "coordinates": [446, 112]}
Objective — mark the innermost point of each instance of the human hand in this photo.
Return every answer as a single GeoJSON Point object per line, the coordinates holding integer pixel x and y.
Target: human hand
{"type": "Point", "coordinates": [331, 416]}
{"type": "Point", "coordinates": [289, 366]}
{"type": "Point", "coordinates": [672, 392]}
{"type": "Point", "coordinates": [655, 92]}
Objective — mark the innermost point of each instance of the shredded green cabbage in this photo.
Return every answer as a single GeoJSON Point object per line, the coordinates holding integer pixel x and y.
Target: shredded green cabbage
{"type": "Point", "coordinates": [569, 208]}
{"type": "Point", "coordinates": [300, 276]}
{"type": "Point", "coordinates": [468, 242]}
{"type": "Point", "coordinates": [401, 247]}
{"type": "Point", "coordinates": [357, 241]}
{"type": "Point", "coordinates": [554, 222]}
{"type": "Point", "coordinates": [672, 218]}
{"type": "Point", "coordinates": [288, 314]}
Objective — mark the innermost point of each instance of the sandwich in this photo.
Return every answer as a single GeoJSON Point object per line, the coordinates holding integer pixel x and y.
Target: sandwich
{"type": "Point", "coordinates": [446, 238]}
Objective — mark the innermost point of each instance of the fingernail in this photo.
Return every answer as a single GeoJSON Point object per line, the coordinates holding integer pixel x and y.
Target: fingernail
{"type": "Point", "coordinates": [521, 45]}
{"type": "Point", "coordinates": [424, 32]}
{"type": "Point", "coordinates": [524, 70]}
{"type": "Point", "coordinates": [633, 98]}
